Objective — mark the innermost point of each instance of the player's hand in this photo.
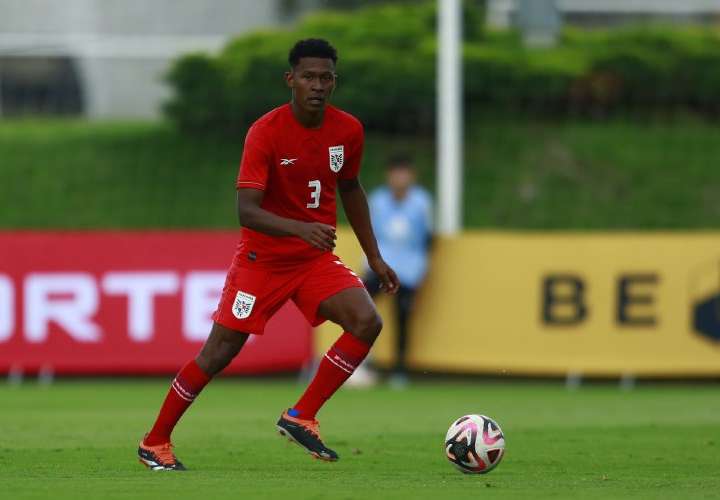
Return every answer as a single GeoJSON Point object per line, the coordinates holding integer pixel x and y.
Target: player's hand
{"type": "Point", "coordinates": [388, 279]}
{"type": "Point", "coordinates": [319, 235]}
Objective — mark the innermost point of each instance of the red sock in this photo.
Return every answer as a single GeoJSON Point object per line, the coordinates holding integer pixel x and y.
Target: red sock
{"type": "Point", "coordinates": [184, 389]}
{"type": "Point", "coordinates": [335, 368]}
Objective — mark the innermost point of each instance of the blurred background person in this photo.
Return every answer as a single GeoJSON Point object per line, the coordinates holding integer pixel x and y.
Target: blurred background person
{"type": "Point", "coordinates": [401, 213]}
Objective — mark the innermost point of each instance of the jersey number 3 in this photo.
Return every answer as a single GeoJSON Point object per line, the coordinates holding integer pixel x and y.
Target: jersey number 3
{"type": "Point", "coordinates": [314, 194]}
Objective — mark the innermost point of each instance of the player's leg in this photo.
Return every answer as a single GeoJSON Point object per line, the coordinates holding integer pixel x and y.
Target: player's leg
{"type": "Point", "coordinates": [331, 291]}
{"type": "Point", "coordinates": [403, 309]}
{"type": "Point", "coordinates": [220, 349]}
{"type": "Point", "coordinates": [365, 375]}
{"type": "Point", "coordinates": [355, 312]}
{"type": "Point", "coordinates": [221, 346]}
{"type": "Point", "coordinates": [249, 297]}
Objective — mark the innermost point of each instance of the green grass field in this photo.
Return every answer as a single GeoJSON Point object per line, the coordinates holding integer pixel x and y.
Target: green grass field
{"type": "Point", "coordinates": [77, 439]}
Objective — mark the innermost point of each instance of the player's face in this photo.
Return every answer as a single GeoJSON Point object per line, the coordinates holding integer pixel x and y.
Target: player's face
{"type": "Point", "coordinates": [312, 82]}
{"type": "Point", "coordinates": [399, 179]}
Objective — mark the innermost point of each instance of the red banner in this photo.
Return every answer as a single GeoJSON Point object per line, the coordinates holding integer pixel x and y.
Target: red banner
{"type": "Point", "coordinates": [126, 303]}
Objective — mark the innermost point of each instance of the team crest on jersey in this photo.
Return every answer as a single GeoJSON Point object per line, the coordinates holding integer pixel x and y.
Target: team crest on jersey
{"type": "Point", "coordinates": [337, 157]}
{"type": "Point", "coordinates": [243, 305]}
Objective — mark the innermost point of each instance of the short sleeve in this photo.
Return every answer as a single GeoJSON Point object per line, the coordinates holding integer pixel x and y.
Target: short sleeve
{"type": "Point", "coordinates": [256, 160]}
{"type": "Point", "coordinates": [351, 169]}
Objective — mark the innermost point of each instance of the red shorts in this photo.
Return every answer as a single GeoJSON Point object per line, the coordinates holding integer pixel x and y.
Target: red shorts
{"type": "Point", "coordinates": [252, 294]}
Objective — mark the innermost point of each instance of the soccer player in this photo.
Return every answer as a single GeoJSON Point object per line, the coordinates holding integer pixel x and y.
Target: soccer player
{"type": "Point", "coordinates": [295, 158]}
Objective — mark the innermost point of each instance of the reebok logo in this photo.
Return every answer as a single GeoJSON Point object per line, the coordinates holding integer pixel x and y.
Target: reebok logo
{"type": "Point", "coordinates": [287, 161]}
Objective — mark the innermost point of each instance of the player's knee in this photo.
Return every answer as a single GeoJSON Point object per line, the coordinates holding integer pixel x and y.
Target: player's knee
{"type": "Point", "coordinates": [368, 326]}
{"type": "Point", "coordinates": [213, 359]}
{"type": "Point", "coordinates": [219, 349]}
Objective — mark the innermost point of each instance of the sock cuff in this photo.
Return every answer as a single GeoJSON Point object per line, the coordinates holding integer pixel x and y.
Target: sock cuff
{"type": "Point", "coordinates": [190, 380]}
{"type": "Point", "coordinates": [352, 345]}
{"type": "Point", "coordinates": [348, 345]}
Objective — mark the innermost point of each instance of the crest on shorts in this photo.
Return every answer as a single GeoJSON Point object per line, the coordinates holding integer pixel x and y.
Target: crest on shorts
{"type": "Point", "coordinates": [243, 305]}
{"type": "Point", "coordinates": [337, 157]}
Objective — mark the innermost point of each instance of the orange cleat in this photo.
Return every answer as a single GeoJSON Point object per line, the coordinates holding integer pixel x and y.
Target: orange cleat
{"type": "Point", "coordinates": [305, 433]}
{"type": "Point", "coordinates": [160, 457]}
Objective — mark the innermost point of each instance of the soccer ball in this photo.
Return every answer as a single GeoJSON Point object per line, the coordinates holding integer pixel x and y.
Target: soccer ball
{"type": "Point", "coordinates": [475, 444]}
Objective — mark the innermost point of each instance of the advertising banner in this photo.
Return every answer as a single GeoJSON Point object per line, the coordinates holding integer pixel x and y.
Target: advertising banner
{"type": "Point", "coordinates": [126, 303]}
{"type": "Point", "coordinates": [608, 304]}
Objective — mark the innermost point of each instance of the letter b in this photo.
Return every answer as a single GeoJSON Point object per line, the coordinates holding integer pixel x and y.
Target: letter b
{"type": "Point", "coordinates": [563, 300]}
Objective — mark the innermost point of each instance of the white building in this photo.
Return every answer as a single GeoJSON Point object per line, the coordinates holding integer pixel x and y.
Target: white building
{"type": "Point", "coordinates": [502, 13]}
{"type": "Point", "coordinates": [107, 58]}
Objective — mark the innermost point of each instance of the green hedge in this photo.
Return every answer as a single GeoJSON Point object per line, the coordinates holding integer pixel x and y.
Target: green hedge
{"type": "Point", "coordinates": [387, 71]}
{"type": "Point", "coordinates": [518, 174]}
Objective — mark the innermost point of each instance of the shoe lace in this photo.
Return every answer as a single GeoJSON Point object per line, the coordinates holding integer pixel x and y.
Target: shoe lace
{"type": "Point", "coordinates": [313, 427]}
{"type": "Point", "coordinates": [165, 454]}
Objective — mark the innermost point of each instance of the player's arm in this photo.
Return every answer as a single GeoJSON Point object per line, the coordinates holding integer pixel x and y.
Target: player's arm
{"type": "Point", "coordinates": [252, 216]}
{"type": "Point", "coordinates": [356, 208]}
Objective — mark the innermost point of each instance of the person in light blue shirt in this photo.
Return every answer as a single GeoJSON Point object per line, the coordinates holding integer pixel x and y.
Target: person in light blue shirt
{"type": "Point", "coordinates": [401, 214]}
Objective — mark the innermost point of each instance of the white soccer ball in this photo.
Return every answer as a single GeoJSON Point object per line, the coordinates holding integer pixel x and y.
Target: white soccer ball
{"type": "Point", "coordinates": [475, 444]}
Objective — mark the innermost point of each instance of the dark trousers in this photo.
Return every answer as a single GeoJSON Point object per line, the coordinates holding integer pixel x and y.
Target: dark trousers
{"type": "Point", "coordinates": [403, 300]}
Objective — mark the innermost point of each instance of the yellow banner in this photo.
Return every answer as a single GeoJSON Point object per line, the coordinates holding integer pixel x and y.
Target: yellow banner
{"type": "Point", "coordinates": [557, 303]}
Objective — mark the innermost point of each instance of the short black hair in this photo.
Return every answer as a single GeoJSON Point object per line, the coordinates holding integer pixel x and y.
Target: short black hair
{"type": "Point", "coordinates": [400, 160]}
{"type": "Point", "coordinates": [312, 47]}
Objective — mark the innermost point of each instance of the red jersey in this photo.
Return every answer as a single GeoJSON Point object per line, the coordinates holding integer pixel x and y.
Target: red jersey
{"type": "Point", "coordinates": [298, 169]}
